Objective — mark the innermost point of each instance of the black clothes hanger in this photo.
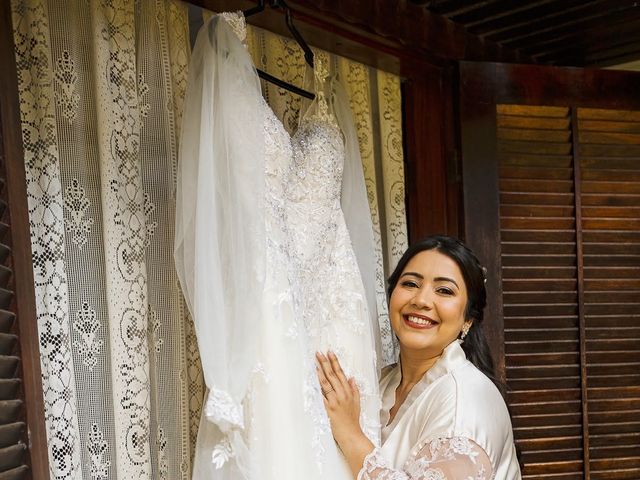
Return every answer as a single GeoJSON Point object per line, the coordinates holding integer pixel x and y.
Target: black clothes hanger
{"type": "Point", "coordinates": [308, 54]}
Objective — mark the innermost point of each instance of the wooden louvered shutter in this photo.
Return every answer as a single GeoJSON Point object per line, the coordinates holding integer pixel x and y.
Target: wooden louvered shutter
{"type": "Point", "coordinates": [540, 293]}
{"type": "Point", "coordinates": [13, 438]}
{"type": "Point", "coordinates": [551, 181]}
{"type": "Point", "coordinates": [609, 161]}
{"type": "Point", "coordinates": [23, 443]}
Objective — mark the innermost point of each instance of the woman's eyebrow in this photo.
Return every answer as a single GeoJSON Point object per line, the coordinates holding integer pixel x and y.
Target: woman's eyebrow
{"type": "Point", "coordinates": [413, 274]}
{"type": "Point", "coordinates": [445, 279]}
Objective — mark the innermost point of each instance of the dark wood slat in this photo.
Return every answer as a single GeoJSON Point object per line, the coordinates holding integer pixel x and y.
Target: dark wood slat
{"type": "Point", "coordinates": [528, 284]}
{"type": "Point", "coordinates": [614, 151]}
{"type": "Point", "coordinates": [7, 343]}
{"type": "Point", "coordinates": [609, 138]}
{"type": "Point", "coordinates": [535, 236]}
{"type": "Point", "coordinates": [529, 160]}
{"type": "Point", "coordinates": [534, 135]}
{"type": "Point", "coordinates": [612, 249]}
{"type": "Point", "coordinates": [548, 322]}
{"type": "Point", "coordinates": [12, 456]}
{"type": "Point", "coordinates": [544, 211]}
{"type": "Point", "coordinates": [546, 272]}
{"type": "Point", "coordinates": [536, 260]}
{"type": "Point", "coordinates": [5, 251]}
{"type": "Point", "coordinates": [9, 388]}
{"type": "Point", "coordinates": [535, 148]}
{"type": "Point", "coordinates": [586, 125]}
{"type": "Point", "coordinates": [11, 434]}
{"type": "Point", "coordinates": [541, 198]}
{"type": "Point", "coordinates": [541, 347]}
{"type": "Point", "coordinates": [6, 296]}
{"type": "Point", "coordinates": [619, 175]}
{"type": "Point", "coordinates": [19, 473]}
{"type": "Point", "coordinates": [6, 320]}
{"type": "Point", "coordinates": [539, 298]}
{"type": "Point", "coordinates": [610, 114]}
{"type": "Point", "coordinates": [544, 384]}
{"type": "Point", "coordinates": [610, 237]}
{"type": "Point", "coordinates": [622, 271]}
{"type": "Point", "coordinates": [528, 122]}
{"type": "Point", "coordinates": [8, 366]}
{"type": "Point", "coordinates": [534, 186]}
{"type": "Point", "coordinates": [9, 411]}
{"type": "Point", "coordinates": [535, 335]}
{"type": "Point", "coordinates": [547, 173]}
{"type": "Point", "coordinates": [5, 276]}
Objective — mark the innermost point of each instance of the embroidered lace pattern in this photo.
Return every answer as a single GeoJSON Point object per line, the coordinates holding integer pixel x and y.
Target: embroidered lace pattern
{"type": "Point", "coordinates": [455, 458]}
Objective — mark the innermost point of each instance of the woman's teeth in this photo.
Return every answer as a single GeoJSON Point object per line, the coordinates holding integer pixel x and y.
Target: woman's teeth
{"type": "Point", "coordinates": [420, 321]}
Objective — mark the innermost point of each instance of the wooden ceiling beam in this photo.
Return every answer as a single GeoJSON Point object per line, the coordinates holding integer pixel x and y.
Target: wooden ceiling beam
{"type": "Point", "coordinates": [568, 19]}
{"type": "Point", "coordinates": [603, 56]}
{"type": "Point", "coordinates": [605, 33]}
{"type": "Point", "coordinates": [589, 41]}
{"type": "Point", "coordinates": [527, 15]}
{"type": "Point", "coordinates": [451, 7]}
{"type": "Point", "coordinates": [503, 10]}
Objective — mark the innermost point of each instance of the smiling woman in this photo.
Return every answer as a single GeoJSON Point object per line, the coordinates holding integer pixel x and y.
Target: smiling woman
{"type": "Point", "coordinates": [443, 415]}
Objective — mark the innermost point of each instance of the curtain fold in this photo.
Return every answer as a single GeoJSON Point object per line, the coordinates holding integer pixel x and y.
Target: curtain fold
{"type": "Point", "coordinates": [101, 86]}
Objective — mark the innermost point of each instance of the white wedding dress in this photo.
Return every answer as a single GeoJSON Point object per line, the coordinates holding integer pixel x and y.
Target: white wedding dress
{"type": "Point", "coordinates": [265, 260]}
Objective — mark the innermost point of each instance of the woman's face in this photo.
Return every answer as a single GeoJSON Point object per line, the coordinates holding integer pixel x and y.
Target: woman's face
{"type": "Point", "coordinates": [427, 305]}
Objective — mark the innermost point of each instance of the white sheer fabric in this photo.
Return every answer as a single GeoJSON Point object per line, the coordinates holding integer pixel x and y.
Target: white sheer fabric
{"type": "Point", "coordinates": [456, 458]}
{"type": "Point", "coordinates": [220, 219]}
{"type": "Point", "coordinates": [452, 421]}
{"type": "Point", "coordinates": [311, 297]}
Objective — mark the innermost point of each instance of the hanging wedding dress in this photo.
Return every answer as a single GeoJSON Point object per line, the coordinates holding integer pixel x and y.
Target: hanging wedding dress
{"type": "Point", "coordinates": [267, 268]}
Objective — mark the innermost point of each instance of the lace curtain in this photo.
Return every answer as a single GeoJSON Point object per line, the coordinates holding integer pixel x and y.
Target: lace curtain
{"type": "Point", "coordinates": [101, 84]}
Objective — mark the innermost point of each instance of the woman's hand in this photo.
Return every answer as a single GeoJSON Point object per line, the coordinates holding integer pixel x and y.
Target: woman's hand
{"type": "Point", "coordinates": [342, 401]}
{"type": "Point", "coordinates": [341, 398]}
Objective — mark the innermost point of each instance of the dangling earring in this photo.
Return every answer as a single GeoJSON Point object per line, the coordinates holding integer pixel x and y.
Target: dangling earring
{"type": "Point", "coordinates": [465, 330]}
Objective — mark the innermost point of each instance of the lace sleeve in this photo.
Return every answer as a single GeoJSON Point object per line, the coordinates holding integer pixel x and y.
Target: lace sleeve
{"type": "Point", "coordinates": [456, 458]}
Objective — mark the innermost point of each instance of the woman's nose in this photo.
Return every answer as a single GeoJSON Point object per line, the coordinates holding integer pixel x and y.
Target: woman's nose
{"type": "Point", "coordinates": [422, 299]}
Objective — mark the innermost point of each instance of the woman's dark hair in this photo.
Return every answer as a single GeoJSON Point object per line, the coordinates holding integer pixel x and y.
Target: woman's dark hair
{"type": "Point", "coordinates": [475, 344]}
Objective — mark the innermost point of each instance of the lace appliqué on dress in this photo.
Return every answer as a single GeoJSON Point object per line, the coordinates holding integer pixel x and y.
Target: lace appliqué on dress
{"type": "Point", "coordinates": [456, 458]}
{"type": "Point", "coordinates": [223, 411]}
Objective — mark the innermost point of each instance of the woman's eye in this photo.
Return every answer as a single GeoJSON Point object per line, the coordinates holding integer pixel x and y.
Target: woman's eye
{"type": "Point", "coordinates": [410, 284]}
{"type": "Point", "coordinates": [444, 291]}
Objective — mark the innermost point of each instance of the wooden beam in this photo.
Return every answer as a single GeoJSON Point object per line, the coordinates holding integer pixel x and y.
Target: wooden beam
{"type": "Point", "coordinates": [482, 195]}
{"type": "Point", "coordinates": [583, 16]}
{"type": "Point", "coordinates": [529, 13]}
{"type": "Point", "coordinates": [502, 12]}
{"type": "Point", "coordinates": [604, 35]}
{"type": "Point", "coordinates": [427, 150]}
